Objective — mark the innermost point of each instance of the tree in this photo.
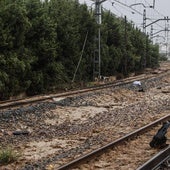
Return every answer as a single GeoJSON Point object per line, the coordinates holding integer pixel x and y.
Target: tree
{"type": "Point", "coordinates": [13, 26]}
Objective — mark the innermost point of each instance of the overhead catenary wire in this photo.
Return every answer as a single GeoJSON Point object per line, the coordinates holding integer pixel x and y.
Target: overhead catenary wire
{"type": "Point", "coordinates": [121, 6]}
{"type": "Point", "coordinates": [125, 4]}
{"type": "Point", "coordinates": [136, 11]}
{"type": "Point", "coordinates": [152, 14]}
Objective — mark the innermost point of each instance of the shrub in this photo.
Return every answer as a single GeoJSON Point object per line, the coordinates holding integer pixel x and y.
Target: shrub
{"type": "Point", "coordinates": [7, 156]}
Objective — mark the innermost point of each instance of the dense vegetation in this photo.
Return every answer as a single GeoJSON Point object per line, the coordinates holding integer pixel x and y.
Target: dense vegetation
{"type": "Point", "coordinates": [41, 43]}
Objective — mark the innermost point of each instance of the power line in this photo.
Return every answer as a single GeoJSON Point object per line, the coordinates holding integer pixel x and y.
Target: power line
{"type": "Point", "coordinates": [136, 11]}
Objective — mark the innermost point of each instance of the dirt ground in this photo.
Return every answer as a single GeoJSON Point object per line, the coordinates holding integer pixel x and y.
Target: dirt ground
{"type": "Point", "coordinates": [89, 108]}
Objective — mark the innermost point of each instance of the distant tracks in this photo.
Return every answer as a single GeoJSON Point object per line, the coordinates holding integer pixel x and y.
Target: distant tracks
{"type": "Point", "coordinates": [18, 102]}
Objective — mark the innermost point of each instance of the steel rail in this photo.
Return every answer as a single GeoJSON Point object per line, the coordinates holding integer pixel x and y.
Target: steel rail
{"type": "Point", "coordinates": [105, 148]}
{"type": "Point", "coordinates": [14, 103]}
{"type": "Point", "coordinates": [120, 83]}
{"type": "Point", "coordinates": [45, 96]}
{"type": "Point", "coordinates": [157, 160]}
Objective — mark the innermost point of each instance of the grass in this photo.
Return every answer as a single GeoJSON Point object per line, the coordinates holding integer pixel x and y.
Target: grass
{"type": "Point", "coordinates": [8, 155]}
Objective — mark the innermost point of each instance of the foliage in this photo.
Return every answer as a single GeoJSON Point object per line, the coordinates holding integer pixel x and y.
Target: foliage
{"type": "Point", "coordinates": [7, 156]}
{"type": "Point", "coordinates": [163, 57]}
{"type": "Point", "coordinates": [41, 43]}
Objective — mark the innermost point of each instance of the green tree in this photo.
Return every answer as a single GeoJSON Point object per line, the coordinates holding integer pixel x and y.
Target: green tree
{"type": "Point", "coordinates": [13, 26]}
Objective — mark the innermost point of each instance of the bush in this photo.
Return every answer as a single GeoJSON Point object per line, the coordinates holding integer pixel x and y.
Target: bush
{"type": "Point", "coordinates": [163, 57]}
{"type": "Point", "coordinates": [7, 156]}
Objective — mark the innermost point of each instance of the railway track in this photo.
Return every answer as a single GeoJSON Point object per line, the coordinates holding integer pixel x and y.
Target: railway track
{"type": "Point", "coordinates": [103, 150]}
{"type": "Point", "coordinates": [159, 161]}
{"type": "Point", "coordinates": [61, 131]}
{"type": "Point", "coordinates": [18, 102]}
{"type": "Point", "coordinates": [86, 147]}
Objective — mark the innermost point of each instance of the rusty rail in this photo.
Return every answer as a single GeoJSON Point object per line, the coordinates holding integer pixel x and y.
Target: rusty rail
{"type": "Point", "coordinates": [17, 102]}
{"type": "Point", "coordinates": [157, 161]}
{"type": "Point", "coordinates": [105, 148]}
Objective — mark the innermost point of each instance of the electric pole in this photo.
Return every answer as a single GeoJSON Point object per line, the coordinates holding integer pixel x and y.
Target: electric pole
{"type": "Point", "coordinates": [97, 52]}
{"type": "Point", "coordinates": [153, 4]}
{"type": "Point", "coordinates": [125, 49]}
{"type": "Point", "coordinates": [151, 34]}
{"type": "Point", "coordinates": [143, 59]}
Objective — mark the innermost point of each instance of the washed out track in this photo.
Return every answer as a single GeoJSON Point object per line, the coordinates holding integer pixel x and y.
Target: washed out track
{"type": "Point", "coordinates": [116, 84]}
{"type": "Point", "coordinates": [60, 131]}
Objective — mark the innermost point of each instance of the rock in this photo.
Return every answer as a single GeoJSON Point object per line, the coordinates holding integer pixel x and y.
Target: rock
{"type": "Point", "coordinates": [21, 132]}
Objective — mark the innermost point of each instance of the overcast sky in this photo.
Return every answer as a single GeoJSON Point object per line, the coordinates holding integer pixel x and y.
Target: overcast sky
{"type": "Point", "coordinates": [121, 8]}
{"type": "Point", "coordinates": [163, 6]}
